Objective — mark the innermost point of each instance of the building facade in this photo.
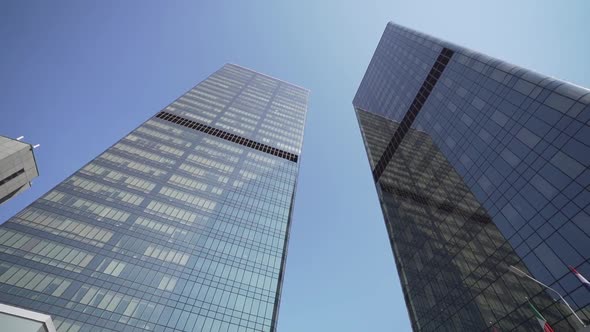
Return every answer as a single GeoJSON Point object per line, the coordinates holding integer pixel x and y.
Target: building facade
{"type": "Point", "coordinates": [182, 225]}
{"type": "Point", "coordinates": [17, 167]}
{"type": "Point", "coordinates": [21, 320]}
{"type": "Point", "coordinates": [479, 166]}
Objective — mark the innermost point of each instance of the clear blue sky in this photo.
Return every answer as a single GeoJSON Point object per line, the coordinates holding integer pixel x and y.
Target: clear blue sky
{"type": "Point", "coordinates": [77, 75]}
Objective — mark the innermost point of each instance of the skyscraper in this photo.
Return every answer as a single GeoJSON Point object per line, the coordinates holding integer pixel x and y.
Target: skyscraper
{"type": "Point", "coordinates": [17, 167]}
{"type": "Point", "coordinates": [182, 225]}
{"type": "Point", "coordinates": [479, 165]}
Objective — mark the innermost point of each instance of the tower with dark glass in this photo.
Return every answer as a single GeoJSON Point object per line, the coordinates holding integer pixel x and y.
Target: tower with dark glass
{"type": "Point", "coordinates": [479, 165]}
{"type": "Point", "coordinates": [182, 225]}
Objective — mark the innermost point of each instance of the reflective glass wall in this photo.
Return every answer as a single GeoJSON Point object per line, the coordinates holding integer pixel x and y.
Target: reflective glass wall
{"type": "Point", "coordinates": [182, 225]}
{"type": "Point", "coordinates": [518, 143]}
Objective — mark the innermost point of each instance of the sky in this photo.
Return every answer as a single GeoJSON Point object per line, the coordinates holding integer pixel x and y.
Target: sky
{"type": "Point", "coordinates": [75, 76]}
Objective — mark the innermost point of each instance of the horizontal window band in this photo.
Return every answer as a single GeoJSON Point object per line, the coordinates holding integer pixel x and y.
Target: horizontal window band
{"type": "Point", "coordinates": [8, 196]}
{"type": "Point", "coordinates": [12, 176]}
{"type": "Point", "coordinates": [435, 72]}
{"type": "Point", "coordinates": [227, 136]}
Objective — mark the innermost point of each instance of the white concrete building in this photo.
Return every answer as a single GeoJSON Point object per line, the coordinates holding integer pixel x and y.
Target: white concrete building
{"type": "Point", "coordinates": [17, 167]}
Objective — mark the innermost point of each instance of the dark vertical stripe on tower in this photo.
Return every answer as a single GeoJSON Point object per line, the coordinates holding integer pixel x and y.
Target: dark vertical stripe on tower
{"type": "Point", "coordinates": [435, 72]}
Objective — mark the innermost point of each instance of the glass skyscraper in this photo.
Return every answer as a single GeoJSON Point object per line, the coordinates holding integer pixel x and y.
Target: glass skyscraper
{"type": "Point", "coordinates": [479, 165]}
{"type": "Point", "coordinates": [182, 225]}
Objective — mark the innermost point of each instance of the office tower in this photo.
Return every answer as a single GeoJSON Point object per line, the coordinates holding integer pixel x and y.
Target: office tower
{"type": "Point", "coordinates": [21, 320]}
{"type": "Point", "coordinates": [182, 225]}
{"type": "Point", "coordinates": [17, 167]}
{"type": "Point", "coordinates": [479, 165]}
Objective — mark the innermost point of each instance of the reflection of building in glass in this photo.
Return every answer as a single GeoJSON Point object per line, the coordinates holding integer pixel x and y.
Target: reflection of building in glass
{"type": "Point", "coordinates": [17, 167]}
{"type": "Point", "coordinates": [181, 225]}
{"type": "Point", "coordinates": [479, 165]}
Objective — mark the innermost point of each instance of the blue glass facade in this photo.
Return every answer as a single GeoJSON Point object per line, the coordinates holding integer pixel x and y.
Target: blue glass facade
{"type": "Point", "coordinates": [518, 145]}
{"type": "Point", "coordinates": [182, 225]}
